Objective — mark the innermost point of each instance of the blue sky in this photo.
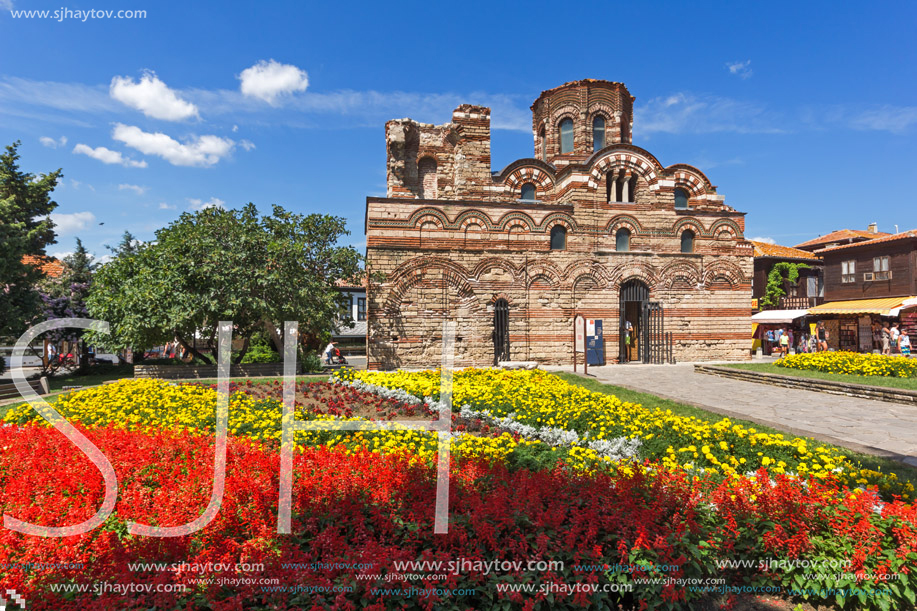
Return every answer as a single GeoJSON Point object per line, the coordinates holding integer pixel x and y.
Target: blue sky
{"type": "Point", "coordinates": [803, 114]}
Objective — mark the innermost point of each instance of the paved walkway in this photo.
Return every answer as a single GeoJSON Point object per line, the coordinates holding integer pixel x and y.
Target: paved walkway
{"type": "Point", "coordinates": [874, 427]}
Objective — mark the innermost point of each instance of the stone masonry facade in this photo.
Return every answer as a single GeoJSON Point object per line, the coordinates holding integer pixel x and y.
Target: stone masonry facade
{"type": "Point", "coordinates": [453, 238]}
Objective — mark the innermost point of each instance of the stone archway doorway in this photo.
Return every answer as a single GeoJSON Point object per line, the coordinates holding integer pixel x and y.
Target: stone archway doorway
{"type": "Point", "coordinates": [634, 296]}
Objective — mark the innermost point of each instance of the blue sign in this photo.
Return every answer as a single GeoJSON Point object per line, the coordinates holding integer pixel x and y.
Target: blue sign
{"type": "Point", "coordinates": [595, 343]}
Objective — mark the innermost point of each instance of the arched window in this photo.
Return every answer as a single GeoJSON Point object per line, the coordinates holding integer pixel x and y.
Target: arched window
{"type": "Point", "coordinates": [544, 145]}
{"type": "Point", "coordinates": [687, 241]}
{"type": "Point", "coordinates": [426, 177]}
{"type": "Point", "coordinates": [598, 133]}
{"type": "Point", "coordinates": [681, 199]}
{"type": "Point", "coordinates": [558, 237]}
{"type": "Point", "coordinates": [566, 136]}
{"type": "Point", "coordinates": [632, 189]}
{"type": "Point", "coordinates": [528, 191]}
{"type": "Point", "coordinates": [622, 240]}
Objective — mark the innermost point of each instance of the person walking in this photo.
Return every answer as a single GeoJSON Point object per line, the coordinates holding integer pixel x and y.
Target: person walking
{"type": "Point", "coordinates": [904, 343]}
{"type": "Point", "coordinates": [885, 337]}
{"type": "Point", "coordinates": [895, 335]}
{"type": "Point", "coordinates": [784, 343]}
{"type": "Point", "coordinates": [822, 337]}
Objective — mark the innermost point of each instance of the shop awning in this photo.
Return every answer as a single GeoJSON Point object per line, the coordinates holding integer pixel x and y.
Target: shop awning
{"type": "Point", "coordinates": [778, 316]}
{"type": "Point", "coordinates": [908, 304]}
{"type": "Point", "coordinates": [882, 307]}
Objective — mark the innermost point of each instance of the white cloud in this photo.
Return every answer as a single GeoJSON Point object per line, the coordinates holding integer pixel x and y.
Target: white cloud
{"type": "Point", "coordinates": [213, 202]}
{"type": "Point", "coordinates": [688, 113]}
{"type": "Point", "coordinates": [61, 255]}
{"type": "Point", "coordinates": [202, 151]}
{"type": "Point", "coordinates": [51, 143]}
{"type": "Point", "coordinates": [135, 188]}
{"type": "Point", "coordinates": [895, 119]}
{"type": "Point", "coordinates": [66, 224]}
{"type": "Point", "coordinates": [106, 155]}
{"type": "Point", "coordinates": [763, 239]}
{"type": "Point", "coordinates": [152, 97]}
{"type": "Point", "coordinates": [6, 4]}
{"type": "Point", "coordinates": [247, 144]}
{"type": "Point", "coordinates": [77, 184]}
{"type": "Point", "coordinates": [741, 69]}
{"type": "Point", "coordinates": [269, 80]}
{"type": "Point", "coordinates": [165, 206]}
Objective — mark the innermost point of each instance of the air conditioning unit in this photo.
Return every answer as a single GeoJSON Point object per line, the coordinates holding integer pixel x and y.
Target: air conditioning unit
{"type": "Point", "coordinates": [867, 276]}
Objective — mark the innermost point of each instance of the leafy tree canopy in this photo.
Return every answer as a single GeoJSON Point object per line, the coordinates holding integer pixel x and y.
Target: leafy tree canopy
{"type": "Point", "coordinates": [212, 265]}
{"type": "Point", "coordinates": [25, 229]}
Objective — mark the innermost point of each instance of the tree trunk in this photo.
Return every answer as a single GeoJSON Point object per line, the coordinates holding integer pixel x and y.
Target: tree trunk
{"type": "Point", "coordinates": [192, 351]}
{"type": "Point", "coordinates": [242, 352]}
{"type": "Point", "coordinates": [276, 337]}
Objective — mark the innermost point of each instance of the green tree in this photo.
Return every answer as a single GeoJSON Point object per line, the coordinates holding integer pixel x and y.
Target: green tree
{"type": "Point", "coordinates": [776, 279]}
{"type": "Point", "coordinates": [257, 271]}
{"type": "Point", "coordinates": [129, 244]}
{"type": "Point", "coordinates": [25, 230]}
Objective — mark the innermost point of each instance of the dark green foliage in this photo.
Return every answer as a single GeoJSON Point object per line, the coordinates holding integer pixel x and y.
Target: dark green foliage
{"type": "Point", "coordinates": [776, 279]}
{"type": "Point", "coordinates": [25, 203]}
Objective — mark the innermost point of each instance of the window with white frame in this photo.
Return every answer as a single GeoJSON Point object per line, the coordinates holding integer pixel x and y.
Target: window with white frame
{"type": "Point", "coordinates": [361, 308]}
{"type": "Point", "coordinates": [848, 271]}
{"type": "Point", "coordinates": [880, 268]}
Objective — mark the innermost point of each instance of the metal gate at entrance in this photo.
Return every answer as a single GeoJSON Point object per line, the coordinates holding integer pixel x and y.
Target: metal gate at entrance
{"type": "Point", "coordinates": [642, 336]}
{"type": "Point", "coordinates": [658, 343]}
{"type": "Point", "coordinates": [501, 331]}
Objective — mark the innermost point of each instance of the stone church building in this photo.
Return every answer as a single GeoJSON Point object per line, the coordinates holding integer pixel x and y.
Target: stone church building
{"type": "Point", "coordinates": [590, 225]}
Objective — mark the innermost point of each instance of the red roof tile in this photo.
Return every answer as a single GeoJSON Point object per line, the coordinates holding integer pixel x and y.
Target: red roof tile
{"type": "Point", "coordinates": [50, 266]}
{"type": "Point", "coordinates": [889, 237]}
{"type": "Point", "coordinates": [763, 249]}
{"type": "Point", "coordinates": [843, 234]}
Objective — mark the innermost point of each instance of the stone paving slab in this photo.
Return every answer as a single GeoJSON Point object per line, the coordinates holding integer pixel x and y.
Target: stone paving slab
{"type": "Point", "coordinates": [864, 425]}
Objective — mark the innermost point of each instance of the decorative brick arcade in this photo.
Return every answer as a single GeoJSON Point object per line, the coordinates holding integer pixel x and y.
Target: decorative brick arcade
{"type": "Point", "coordinates": [555, 235]}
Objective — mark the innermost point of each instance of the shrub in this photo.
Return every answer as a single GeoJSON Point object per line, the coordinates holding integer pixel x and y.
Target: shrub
{"type": "Point", "coordinates": [312, 363]}
{"type": "Point", "coordinates": [261, 354]}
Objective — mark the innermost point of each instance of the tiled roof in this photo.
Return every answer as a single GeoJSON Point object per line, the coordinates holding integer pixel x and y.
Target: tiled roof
{"type": "Point", "coordinates": [887, 238]}
{"type": "Point", "coordinates": [763, 249]}
{"type": "Point", "coordinates": [51, 267]}
{"type": "Point", "coordinates": [353, 283]}
{"type": "Point", "coordinates": [359, 330]}
{"type": "Point", "coordinates": [843, 234]}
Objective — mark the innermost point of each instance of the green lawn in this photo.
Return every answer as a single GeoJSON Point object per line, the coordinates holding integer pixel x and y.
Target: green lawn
{"type": "Point", "coordinates": [904, 383]}
{"type": "Point", "coordinates": [869, 461]}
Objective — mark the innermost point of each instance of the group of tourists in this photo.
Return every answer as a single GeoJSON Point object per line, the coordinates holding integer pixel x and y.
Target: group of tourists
{"type": "Point", "coordinates": [889, 339]}
{"type": "Point", "coordinates": [780, 340]}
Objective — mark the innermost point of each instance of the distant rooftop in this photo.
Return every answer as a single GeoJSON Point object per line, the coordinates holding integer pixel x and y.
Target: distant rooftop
{"type": "Point", "coordinates": [842, 235]}
{"type": "Point", "coordinates": [51, 267]}
{"type": "Point", "coordinates": [887, 237]}
{"type": "Point", "coordinates": [763, 249]}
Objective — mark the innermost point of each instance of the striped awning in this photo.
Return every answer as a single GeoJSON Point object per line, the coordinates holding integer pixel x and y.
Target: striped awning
{"type": "Point", "coordinates": [882, 307]}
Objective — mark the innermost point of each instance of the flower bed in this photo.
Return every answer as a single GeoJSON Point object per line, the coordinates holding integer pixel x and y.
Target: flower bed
{"type": "Point", "coordinates": [349, 508]}
{"type": "Point", "coordinates": [539, 398]}
{"type": "Point", "coordinates": [540, 471]}
{"type": "Point", "coordinates": [852, 363]}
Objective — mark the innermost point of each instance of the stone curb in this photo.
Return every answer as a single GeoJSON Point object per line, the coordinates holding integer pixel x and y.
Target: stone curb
{"type": "Point", "coordinates": [861, 391]}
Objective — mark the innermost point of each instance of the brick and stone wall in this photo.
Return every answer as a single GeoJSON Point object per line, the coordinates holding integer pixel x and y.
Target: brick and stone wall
{"type": "Point", "coordinates": [451, 244]}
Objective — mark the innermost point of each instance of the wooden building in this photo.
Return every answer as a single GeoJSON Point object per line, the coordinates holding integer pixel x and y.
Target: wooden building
{"type": "Point", "coordinates": [867, 283]}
